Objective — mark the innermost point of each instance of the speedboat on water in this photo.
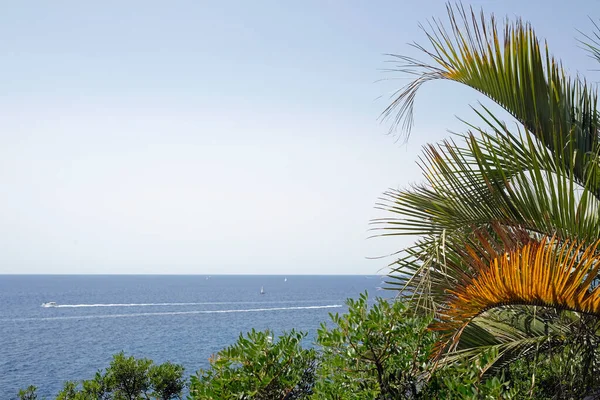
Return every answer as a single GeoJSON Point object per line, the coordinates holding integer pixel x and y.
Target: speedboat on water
{"type": "Point", "coordinates": [49, 304]}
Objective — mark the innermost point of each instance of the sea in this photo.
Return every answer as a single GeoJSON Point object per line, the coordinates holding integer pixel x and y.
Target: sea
{"type": "Point", "coordinates": [182, 319]}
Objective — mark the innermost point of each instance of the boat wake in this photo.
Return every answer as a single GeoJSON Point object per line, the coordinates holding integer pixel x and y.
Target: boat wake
{"type": "Point", "coordinates": [153, 314]}
{"type": "Point", "coordinates": [175, 304]}
{"type": "Point", "coordinates": [131, 305]}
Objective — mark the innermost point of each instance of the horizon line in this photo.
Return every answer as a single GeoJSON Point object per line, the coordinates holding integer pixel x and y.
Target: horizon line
{"type": "Point", "coordinates": [171, 274]}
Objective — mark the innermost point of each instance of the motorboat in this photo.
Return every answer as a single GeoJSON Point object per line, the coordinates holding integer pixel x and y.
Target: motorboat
{"type": "Point", "coordinates": [49, 304]}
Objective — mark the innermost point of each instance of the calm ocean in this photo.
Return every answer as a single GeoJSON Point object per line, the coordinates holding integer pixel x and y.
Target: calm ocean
{"type": "Point", "coordinates": [183, 319]}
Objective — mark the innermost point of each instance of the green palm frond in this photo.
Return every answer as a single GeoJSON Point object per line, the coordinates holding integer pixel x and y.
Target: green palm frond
{"type": "Point", "coordinates": [495, 177]}
{"type": "Point", "coordinates": [516, 72]}
{"type": "Point", "coordinates": [591, 42]}
{"type": "Point", "coordinates": [499, 178]}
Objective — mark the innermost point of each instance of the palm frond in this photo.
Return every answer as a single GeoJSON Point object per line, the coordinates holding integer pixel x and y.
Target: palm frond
{"type": "Point", "coordinates": [591, 42]}
{"type": "Point", "coordinates": [497, 179]}
{"type": "Point", "coordinates": [517, 72]}
{"type": "Point", "coordinates": [548, 273]}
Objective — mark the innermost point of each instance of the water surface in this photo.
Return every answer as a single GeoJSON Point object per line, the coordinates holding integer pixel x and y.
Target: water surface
{"type": "Point", "coordinates": [183, 319]}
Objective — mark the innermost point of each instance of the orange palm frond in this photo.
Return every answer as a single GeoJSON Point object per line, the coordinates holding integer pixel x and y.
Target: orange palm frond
{"type": "Point", "coordinates": [546, 272]}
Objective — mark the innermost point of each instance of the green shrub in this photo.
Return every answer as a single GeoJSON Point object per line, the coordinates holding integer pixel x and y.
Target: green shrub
{"type": "Point", "coordinates": [256, 367]}
{"type": "Point", "coordinates": [373, 353]}
{"type": "Point", "coordinates": [128, 378]}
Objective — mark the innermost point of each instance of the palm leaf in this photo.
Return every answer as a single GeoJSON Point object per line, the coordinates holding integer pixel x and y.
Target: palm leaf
{"type": "Point", "coordinates": [498, 179]}
{"type": "Point", "coordinates": [546, 273]}
{"type": "Point", "coordinates": [516, 72]}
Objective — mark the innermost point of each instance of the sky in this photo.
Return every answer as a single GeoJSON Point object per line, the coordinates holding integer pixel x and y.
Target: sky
{"type": "Point", "coordinates": [223, 137]}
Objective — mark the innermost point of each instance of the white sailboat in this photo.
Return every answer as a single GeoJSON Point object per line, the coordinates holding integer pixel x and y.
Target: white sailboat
{"type": "Point", "coordinates": [262, 290]}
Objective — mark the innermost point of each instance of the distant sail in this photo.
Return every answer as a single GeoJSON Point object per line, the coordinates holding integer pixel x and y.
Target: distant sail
{"type": "Point", "coordinates": [262, 290]}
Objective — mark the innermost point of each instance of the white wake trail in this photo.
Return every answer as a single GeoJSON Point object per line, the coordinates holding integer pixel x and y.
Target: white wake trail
{"type": "Point", "coordinates": [175, 304]}
{"type": "Point", "coordinates": [129, 305]}
{"type": "Point", "coordinates": [179, 313]}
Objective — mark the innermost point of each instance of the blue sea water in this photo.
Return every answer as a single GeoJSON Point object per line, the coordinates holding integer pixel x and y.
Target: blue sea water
{"type": "Point", "coordinates": [183, 319]}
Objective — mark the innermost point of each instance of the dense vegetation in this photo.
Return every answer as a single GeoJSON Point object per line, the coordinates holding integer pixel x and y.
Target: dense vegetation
{"type": "Point", "coordinates": [499, 296]}
{"type": "Point", "coordinates": [126, 378]}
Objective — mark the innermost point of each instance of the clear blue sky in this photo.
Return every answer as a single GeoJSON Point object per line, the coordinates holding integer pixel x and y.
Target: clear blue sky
{"type": "Point", "coordinates": [217, 137]}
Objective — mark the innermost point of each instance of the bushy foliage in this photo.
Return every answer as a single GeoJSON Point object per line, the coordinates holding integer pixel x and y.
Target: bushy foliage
{"type": "Point", "coordinates": [469, 379]}
{"type": "Point", "coordinates": [30, 393]}
{"type": "Point", "coordinates": [385, 351]}
{"type": "Point", "coordinates": [372, 353]}
{"type": "Point", "coordinates": [256, 367]}
{"type": "Point", "coordinates": [557, 375]}
{"type": "Point", "coordinates": [166, 380]}
{"type": "Point", "coordinates": [128, 378]}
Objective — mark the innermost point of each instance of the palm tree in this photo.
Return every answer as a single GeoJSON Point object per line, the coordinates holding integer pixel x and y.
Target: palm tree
{"type": "Point", "coordinates": [508, 219]}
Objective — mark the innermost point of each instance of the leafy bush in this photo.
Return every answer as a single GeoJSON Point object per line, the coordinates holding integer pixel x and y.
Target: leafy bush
{"type": "Point", "coordinates": [467, 379]}
{"type": "Point", "coordinates": [381, 352]}
{"type": "Point", "coordinates": [166, 380]}
{"type": "Point", "coordinates": [128, 378]}
{"type": "Point", "coordinates": [386, 352]}
{"type": "Point", "coordinates": [559, 375]}
{"type": "Point", "coordinates": [28, 394]}
{"type": "Point", "coordinates": [256, 367]}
